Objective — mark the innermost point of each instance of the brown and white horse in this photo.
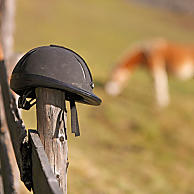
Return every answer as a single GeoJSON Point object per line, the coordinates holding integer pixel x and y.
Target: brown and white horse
{"type": "Point", "coordinates": [161, 58]}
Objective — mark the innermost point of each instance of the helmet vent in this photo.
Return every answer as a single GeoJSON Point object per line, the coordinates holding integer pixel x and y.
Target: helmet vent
{"type": "Point", "coordinates": [25, 57]}
{"type": "Point", "coordinates": [81, 68]}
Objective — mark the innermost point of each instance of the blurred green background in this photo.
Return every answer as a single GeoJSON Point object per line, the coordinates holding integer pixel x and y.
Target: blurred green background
{"type": "Point", "coordinates": [127, 145]}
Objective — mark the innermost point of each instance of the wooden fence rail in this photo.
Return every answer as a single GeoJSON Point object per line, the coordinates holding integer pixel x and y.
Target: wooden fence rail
{"type": "Point", "coordinates": [35, 170]}
{"type": "Point", "coordinates": [46, 181]}
{"type": "Point", "coordinates": [16, 128]}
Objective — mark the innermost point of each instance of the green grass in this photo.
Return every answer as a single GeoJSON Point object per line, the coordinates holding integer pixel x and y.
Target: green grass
{"type": "Point", "coordinates": [127, 145]}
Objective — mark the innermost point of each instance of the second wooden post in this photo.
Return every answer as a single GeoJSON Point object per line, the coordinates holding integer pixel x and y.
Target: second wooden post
{"type": "Point", "coordinates": [51, 126]}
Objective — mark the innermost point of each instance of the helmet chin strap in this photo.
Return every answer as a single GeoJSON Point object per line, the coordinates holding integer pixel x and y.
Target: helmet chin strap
{"type": "Point", "coordinates": [26, 105]}
{"type": "Point", "coordinates": [74, 119]}
{"type": "Point", "coordinates": [23, 103]}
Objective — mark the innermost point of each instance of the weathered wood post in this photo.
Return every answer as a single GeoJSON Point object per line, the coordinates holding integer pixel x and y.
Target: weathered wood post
{"type": "Point", "coordinates": [9, 171]}
{"type": "Point", "coordinates": [51, 126]}
{"type": "Point", "coordinates": [1, 183]}
{"type": "Point", "coordinates": [7, 26]}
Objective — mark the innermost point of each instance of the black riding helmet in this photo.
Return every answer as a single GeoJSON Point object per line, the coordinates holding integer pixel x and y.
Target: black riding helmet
{"type": "Point", "coordinates": [53, 67]}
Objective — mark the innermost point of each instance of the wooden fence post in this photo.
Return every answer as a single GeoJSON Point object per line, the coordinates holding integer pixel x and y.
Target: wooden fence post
{"type": "Point", "coordinates": [51, 126]}
{"type": "Point", "coordinates": [7, 170]}
{"type": "Point", "coordinates": [1, 183]}
{"type": "Point", "coordinates": [7, 10]}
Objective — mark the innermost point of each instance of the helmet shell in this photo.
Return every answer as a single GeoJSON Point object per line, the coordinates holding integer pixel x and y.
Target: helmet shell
{"type": "Point", "coordinates": [54, 67]}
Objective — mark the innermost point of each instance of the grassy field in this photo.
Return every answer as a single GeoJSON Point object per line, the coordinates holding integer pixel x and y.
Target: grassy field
{"type": "Point", "coordinates": [127, 145]}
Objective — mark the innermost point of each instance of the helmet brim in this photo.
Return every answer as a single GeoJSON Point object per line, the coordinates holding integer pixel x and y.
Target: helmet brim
{"type": "Point", "coordinates": [31, 81]}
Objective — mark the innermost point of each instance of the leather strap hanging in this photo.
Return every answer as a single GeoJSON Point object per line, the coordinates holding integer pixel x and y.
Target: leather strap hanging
{"type": "Point", "coordinates": [26, 105]}
{"type": "Point", "coordinates": [74, 119]}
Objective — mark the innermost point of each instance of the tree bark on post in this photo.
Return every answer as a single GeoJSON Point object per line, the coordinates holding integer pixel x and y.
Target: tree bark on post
{"type": "Point", "coordinates": [51, 126]}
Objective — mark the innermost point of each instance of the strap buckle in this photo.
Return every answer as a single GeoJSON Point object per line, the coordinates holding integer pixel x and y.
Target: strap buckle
{"type": "Point", "coordinates": [23, 103]}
